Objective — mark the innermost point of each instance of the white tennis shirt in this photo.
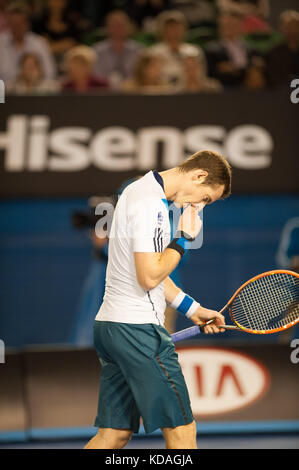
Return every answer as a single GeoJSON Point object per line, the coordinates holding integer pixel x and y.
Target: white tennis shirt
{"type": "Point", "coordinates": [140, 224]}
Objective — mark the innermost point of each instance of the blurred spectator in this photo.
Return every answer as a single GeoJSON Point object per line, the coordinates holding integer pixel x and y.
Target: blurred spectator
{"type": "Point", "coordinates": [229, 57]}
{"type": "Point", "coordinates": [195, 76]}
{"type": "Point", "coordinates": [147, 76]}
{"type": "Point", "coordinates": [141, 12]}
{"type": "Point", "coordinates": [74, 13]}
{"type": "Point", "coordinates": [116, 56]}
{"type": "Point", "coordinates": [57, 27]}
{"type": "Point", "coordinates": [3, 15]}
{"type": "Point", "coordinates": [172, 28]}
{"type": "Point", "coordinates": [18, 40]}
{"type": "Point", "coordinates": [255, 77]}
{"type": "Point", "coordinates": [283, 60]}
{"type": "Point", "coordinates": [81, 331]}
{"type": "Point", "coordinates": [79, 62]}
{"type": "Point", "coordinates": [254, 13]}
{"type": "Point", "coordinates": [30, 79]}
{"type": "Point", "coordinates": [245, 7]}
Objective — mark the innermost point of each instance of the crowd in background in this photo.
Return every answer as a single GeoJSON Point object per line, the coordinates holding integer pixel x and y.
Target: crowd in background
{"type": "Point", "coordinates": [147, 46]}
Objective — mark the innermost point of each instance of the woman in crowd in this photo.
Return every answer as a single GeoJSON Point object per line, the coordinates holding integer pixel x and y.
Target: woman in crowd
{"type": "Point", "coordinates": [147, 76]}
{"type": "Point", "coordinates": [79, 62]}
{"type": "Point", "coordinates": [172, 27]}
{"type": "Point", "coordinates": [30, 79]}
{"type": "Point", "coordinates": [254, 13]}
{"type": "Point", "coordinates": [195, 76]}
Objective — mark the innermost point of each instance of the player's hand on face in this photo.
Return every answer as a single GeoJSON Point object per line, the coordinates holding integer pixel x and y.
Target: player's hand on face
{"type": "Point", "coordinates": [190, 222]}
{"type": "Point", "coordinates": [202, 315]}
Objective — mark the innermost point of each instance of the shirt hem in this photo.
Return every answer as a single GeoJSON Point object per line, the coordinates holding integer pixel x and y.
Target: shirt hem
{"type": "Point", "coordinates": [136, 322]}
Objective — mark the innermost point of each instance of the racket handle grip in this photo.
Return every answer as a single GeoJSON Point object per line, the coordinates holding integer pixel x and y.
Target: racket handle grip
{"type": "Point", "coordinates": [189, 332]}
{"type": "Point", "coordinates": [185, 334]}
{"type": "Point", "coordinates": [196, 330]}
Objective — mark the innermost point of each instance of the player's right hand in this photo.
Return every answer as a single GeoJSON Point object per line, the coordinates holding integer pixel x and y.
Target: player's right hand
{"type": "Point", "coordinates": [190, 222]}
{"type": "Point", "coordinates": [202, 315]}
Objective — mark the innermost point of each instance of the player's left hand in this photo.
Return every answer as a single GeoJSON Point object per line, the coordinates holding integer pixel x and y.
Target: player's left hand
{"type": "Point", "coordinates": [202, 315]}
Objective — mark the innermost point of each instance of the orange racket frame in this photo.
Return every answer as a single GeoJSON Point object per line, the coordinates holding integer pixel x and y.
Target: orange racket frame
{"type": "Point", "coordinates": [260, 332]}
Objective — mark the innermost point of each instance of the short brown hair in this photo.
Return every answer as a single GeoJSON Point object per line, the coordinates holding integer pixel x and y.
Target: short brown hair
{"type": "Point", "coordinates": [217, 167]}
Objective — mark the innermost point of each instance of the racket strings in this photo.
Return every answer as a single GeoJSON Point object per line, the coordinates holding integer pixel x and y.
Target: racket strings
{"type": "Point", "coordinates": [267, 303]}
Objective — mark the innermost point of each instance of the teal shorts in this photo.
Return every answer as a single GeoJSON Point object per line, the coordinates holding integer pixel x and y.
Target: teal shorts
{"type": "Point", "coordinates": [140, 377]}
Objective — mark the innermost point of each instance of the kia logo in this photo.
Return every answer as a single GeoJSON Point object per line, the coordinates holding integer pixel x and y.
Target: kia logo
{"type": "Point", "coordinates": [221, 380]}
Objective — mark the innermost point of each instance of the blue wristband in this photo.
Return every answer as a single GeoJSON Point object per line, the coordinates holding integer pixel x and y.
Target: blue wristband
{"type": "Point", "coordinates": [181, 242]}
{"type": "Point", "coordinates": [185, 304]}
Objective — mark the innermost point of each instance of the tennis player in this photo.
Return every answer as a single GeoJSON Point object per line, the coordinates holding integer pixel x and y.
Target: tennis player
{"type": "Point", "coordinates": [140, 375]}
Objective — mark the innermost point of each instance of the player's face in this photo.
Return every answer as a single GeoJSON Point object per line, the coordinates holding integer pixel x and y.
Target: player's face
{"type": "Point", "coordinates": [195, 191]}
{"type": "Point", "coordinates": [203, 195]}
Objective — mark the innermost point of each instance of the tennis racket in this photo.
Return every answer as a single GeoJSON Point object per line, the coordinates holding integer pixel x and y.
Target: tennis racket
{"type": "Point", "coordinates": [267, 303]}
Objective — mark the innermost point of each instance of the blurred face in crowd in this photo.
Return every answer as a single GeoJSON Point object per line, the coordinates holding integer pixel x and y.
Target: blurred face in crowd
{"type": "Point", "coordinates": [173, 32]}
{"type": "Point", "coordinates": [117, 27]}
{"type": "Point", "coordinates": [18, 25]}
{"type": "Point", "coordinates": [31, 71]}
{"type": "Point", "coordinates": [230, 26]}
{"type": "Point", "coordinates": [290, 30]}
{"type": "Point", "coordinates": [79, 69]}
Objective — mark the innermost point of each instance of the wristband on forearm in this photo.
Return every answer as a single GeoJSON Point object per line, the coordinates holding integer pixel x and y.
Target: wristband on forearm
{"type": "Point", "coordinates": [181, 242]}
{"type": "Point", "coordinates": [185, 304]}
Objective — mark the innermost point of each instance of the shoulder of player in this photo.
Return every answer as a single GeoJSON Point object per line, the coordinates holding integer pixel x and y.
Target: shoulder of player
{"type": "Point", "coordinates": [146, 199]}
{"type": "Point", "coordinates": [143, 193]}
{"type": "Point", "coordinates": [145, 205]}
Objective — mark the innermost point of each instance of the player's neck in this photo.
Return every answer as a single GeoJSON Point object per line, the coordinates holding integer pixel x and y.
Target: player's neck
{"type": "Point", "coordinates": [172, 179]}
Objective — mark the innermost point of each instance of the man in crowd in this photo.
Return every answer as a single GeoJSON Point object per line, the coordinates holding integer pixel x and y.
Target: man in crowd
{"type": "Point", "coordinates": [116, 56]}
{"type": "Point", "coordinates": [18, 40]}
{"type": "Point", "coordinates": [229, 57]}
{"type": "Point", "coordinates": [282, 62]}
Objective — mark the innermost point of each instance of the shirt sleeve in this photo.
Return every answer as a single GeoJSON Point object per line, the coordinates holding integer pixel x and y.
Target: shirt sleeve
{"type": "Point", "coordinates": [146, 221]}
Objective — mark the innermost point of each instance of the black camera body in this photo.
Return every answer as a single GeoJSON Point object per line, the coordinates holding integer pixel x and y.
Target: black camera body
{"type": "Point", "coordinates": [87, 219]}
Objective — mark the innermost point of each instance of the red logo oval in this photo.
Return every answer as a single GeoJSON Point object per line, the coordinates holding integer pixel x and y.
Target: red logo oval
{"type": "Point", "coordinates": [221, 380]}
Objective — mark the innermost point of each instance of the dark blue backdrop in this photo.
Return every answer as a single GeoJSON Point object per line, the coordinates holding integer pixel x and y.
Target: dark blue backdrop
{"type": "Point", "coordinates": [44, 261]}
